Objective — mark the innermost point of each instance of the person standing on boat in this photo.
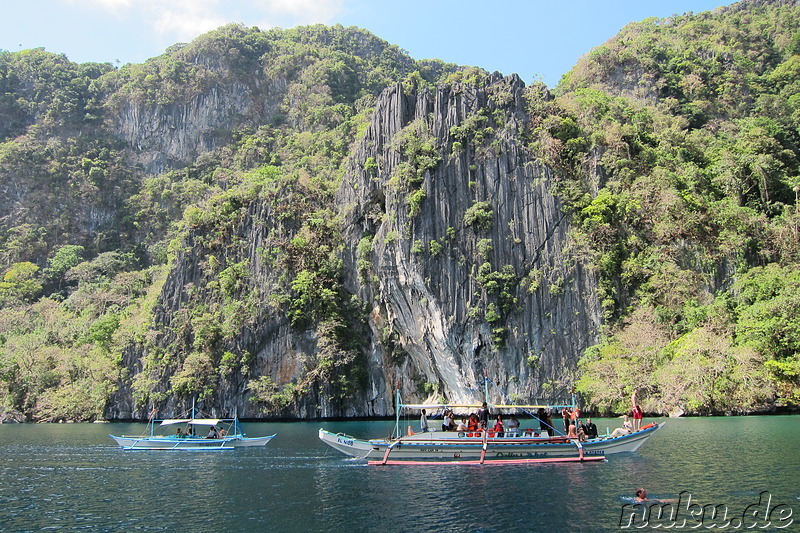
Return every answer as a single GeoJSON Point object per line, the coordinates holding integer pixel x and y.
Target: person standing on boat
{"type": "Point", "coordinates": [636, 413]}
{"type": "Point", "coordinates": [565, 415]}
{"type": "Point", "coordinates": [483, 415]}
{"type": "Point", "coordinates": [541, 414]}
{"type": "Point", "coordinates": [423, 422]}
{"type": "Point", "coordinates": [549, 423]}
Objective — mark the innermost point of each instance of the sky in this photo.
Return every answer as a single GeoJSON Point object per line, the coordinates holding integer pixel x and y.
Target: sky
{"type": "Point", "coordinates": [538, 40]}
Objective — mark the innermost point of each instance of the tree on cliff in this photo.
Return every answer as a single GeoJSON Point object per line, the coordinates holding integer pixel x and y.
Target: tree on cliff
{"type": "Point", "coordinates": [174, 229]}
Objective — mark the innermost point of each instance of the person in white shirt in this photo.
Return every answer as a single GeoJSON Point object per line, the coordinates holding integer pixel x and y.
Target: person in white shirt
{"type": "Point", "coordinates": [448, 424]}
{"type": "Point", "coordinates": [624, 430]}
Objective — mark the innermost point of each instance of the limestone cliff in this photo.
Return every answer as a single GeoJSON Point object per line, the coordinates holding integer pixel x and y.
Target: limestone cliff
{"type": "Point", "coordinates": [464, 269]}
{"type": "Point", "coordinates": [432, 299]}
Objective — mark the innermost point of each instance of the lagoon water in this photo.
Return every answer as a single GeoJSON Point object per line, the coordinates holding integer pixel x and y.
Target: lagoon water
{"type": "Point", "coordinates": [71, 477]}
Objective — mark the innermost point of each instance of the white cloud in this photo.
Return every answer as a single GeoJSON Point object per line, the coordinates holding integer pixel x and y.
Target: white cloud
{"type": "Point", "coordinates": [306, 11]}
{"type": "Point", "coordinates": [115, 7]}
{"type": "Point", "coordinates": [182, 20]}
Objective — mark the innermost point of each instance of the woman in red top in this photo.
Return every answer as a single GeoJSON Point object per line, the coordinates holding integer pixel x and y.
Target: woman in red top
{"type": "Point", "coordinates": [637, 413]}
{"type": "Point", "coordinates": [498, 426]}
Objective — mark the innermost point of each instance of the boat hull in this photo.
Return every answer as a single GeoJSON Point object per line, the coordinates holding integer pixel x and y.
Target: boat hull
{"type": "Point", "coordinates": [346, 444]}
{"type": "Point", "coordinates": [440, 445]}
{"type": "Point", "coordinates": [174, 443]}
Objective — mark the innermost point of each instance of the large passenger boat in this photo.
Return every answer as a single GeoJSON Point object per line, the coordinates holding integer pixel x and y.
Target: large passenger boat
{"type": "Point", "coordinates": [483, 445]}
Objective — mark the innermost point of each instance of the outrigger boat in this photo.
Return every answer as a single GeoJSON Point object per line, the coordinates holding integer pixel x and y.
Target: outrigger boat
{"type": "Point", "coordinates": [228, 430]}
{"type": "Point", "coordinates": [483, 446]}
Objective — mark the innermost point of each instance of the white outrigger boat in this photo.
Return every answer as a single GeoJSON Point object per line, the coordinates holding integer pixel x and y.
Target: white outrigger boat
{"type": "Point", "coordinates": [228, 430]}
{"type": "Point", "coordinates": [517, 446]}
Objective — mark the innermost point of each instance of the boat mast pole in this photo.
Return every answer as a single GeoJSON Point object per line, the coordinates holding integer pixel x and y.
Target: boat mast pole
{"type": "Point", "coordinates": [152, 421]}
{"type": "Point", "coordinates": [397, 407]}
{"type": "Point", "coordinates": [486, 386]}
{"type": "Point", "coordinates": [485, 443]}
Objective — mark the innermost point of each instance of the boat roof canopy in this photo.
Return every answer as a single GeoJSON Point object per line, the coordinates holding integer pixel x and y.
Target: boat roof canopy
{"type": "Point", "coordinates": [439, 406]}
{"type": "Point", "coordinates": [474, 406]}
{"type": "Point", "coordinates": [192, 421]}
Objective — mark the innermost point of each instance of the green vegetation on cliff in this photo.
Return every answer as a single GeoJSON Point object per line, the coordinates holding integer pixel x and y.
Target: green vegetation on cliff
{"type": "Point", "coordinates": [88, 236]}
{"type": "Point", "coordinates": [691, 217]}
{"type": "Point", "coordinates": [675, 149]}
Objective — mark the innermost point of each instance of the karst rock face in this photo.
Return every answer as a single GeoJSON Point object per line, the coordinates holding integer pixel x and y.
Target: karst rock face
{"type": "Point", "coordinates": [465, 273]}
{"type": "Point", "coordinates": [162, 136]}
{"type": "Point", "coordinates": [433, 300]}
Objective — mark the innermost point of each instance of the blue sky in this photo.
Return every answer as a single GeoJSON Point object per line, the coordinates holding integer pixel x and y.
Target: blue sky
{"type": "Point", "coordinates": [533, 38]}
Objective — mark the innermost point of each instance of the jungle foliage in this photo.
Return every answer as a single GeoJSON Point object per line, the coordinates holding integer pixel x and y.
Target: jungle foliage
{"type": "Point", "coordinates": [675, 147]}
{"type": "Point", "coordinates": [691, 220]}
{"type": "Point", "coordinates": [88, 237]}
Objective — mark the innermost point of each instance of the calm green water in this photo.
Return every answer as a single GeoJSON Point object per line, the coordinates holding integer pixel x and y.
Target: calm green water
{"type": "Point", "coordinates": [72, 476]}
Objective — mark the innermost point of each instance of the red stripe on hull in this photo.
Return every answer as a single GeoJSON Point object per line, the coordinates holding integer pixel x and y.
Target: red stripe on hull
{"type": "Point", "coordinates": [495, 461]}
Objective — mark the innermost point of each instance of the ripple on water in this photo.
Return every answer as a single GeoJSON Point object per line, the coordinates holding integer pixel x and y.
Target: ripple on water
{"type": "Point", "coordinates": [72, 477]}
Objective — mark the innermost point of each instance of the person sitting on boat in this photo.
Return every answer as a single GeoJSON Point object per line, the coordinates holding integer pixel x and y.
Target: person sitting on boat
{"type": "Point", "coordinates": [581, 431]}
{"type": "Point", "coordinates": [498, 426]}
{"type": "Point", "coordinates": [591, 429]}
{"type": "Point", "coordinates": [571, 432]}
{"type": "Point", "coordinates": [474, 422]}
{"type": "Point", "coordinates": [212, 433]}
{"type": "Point", "coordinates": [624, 430]}
{"type": "Point", "coordinates": [513, 423]}
{"type": "Point", "coordinates": [221, 433]}
{"type": "Point", "coordinates": [462, 426]}
{"type": "Point", "coordinates": [423, 422]}
{"type": "Point", "coordinates": [448, 424]}
{"type": "Point", "coordinates": [179, 434]}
